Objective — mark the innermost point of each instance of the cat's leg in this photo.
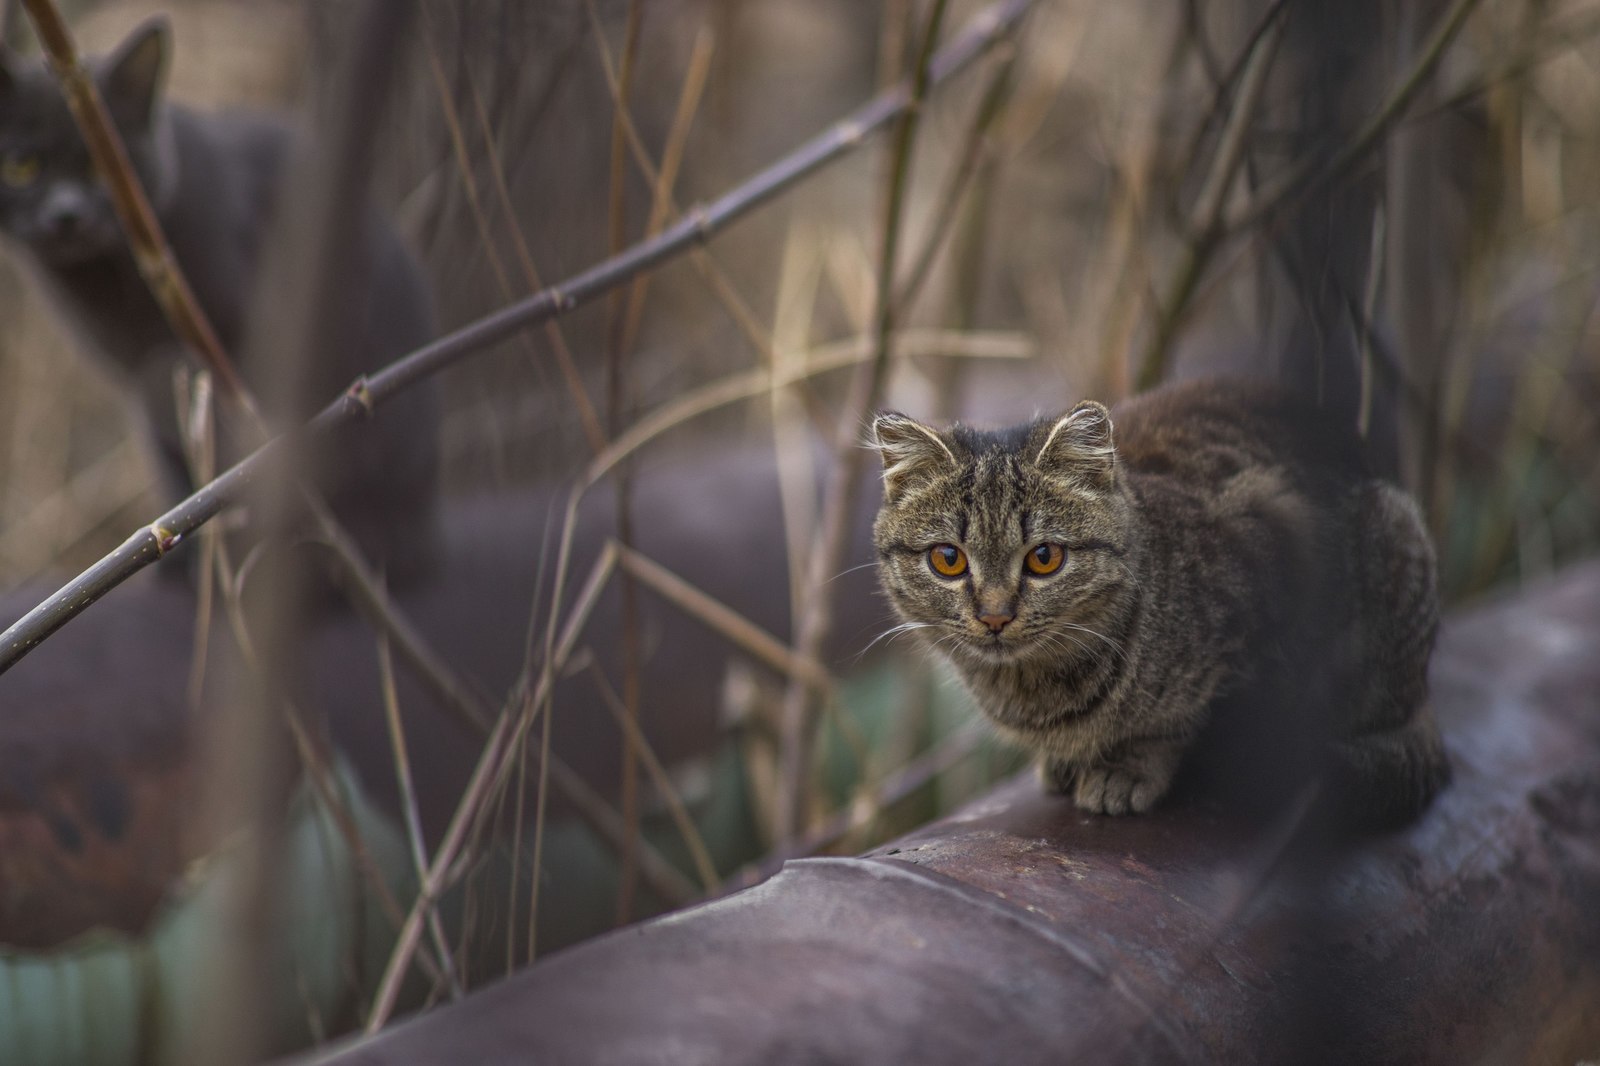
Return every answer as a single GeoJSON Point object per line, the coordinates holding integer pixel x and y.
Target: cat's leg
{"type": "Point", "coordinates": [1388, 758]}
{"type": "Point", "coordinates": [1128, 781]}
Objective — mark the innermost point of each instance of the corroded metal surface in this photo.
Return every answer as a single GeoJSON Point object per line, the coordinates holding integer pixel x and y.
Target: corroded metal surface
{"type": "Point", "coordinates": [1019, 930]}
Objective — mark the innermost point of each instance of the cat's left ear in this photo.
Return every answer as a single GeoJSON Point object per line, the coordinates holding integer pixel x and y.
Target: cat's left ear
{"type": "Point", "coordinates": [131, 82]}
{"type": "Point", "coordinates": [911, 451]}
{"type": "Point", "coordinates": [1079, 444]}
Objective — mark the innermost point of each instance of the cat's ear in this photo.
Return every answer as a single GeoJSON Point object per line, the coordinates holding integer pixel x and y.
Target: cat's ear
{"type": "Point", "coordinates": [132, 75]}
{"type": "Point", "coordinates": [6, 78]}
{"type": "Point", "coordinates": [910, 450]}
{"type": "Point", "coordinates": [1079, 444]}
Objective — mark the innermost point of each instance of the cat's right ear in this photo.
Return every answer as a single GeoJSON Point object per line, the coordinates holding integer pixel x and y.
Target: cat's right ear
{"type": "Point", "coordinates": [911, 451]}
{"type": "Point", "coordinates": [131, 82]}
{"type": "Point", "coordinates": [1080, 444]}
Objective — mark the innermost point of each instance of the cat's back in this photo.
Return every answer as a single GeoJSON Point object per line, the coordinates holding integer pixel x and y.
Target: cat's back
{"type": "Point", "coordinates": [1209, 430]}
{"type": "Point", "coordinates": [229, 166]}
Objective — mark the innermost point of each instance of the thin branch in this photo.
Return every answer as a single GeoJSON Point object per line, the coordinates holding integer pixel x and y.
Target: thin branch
{"type": "Point", "coordinates": [851, 351]}
{"type": "Point", "coordinates": [618, 402]}
{"type": "Point", "coordinates": [189, 322]}
{"type": "Point", "coordinates": [733, 626]}
{"type": "Point", "coordinates": [975, 150]}
{"type": "Point", "coordinates": [721, 287]}
{"type": "Point", "coordinates": [1205, 224]}
{"type": "Point", "coordinates": [1311, 174]}
{"type": "Point", "coordinates": [798, 711]}
{"type": "Point", "coordinates": [894, 788]}
{"type": "Point", "coordinates": [661, 202]}
{"type": "Point", "coordinates": [687, 830]}
{"type": "Point", "coordinates": [150, 543]}
{"type": "Point", "coordinates": [493, 764]}
{"type": "Point", "coordinates": [411, 816]}
{"type": "Point", "coordinates": [458, 143]}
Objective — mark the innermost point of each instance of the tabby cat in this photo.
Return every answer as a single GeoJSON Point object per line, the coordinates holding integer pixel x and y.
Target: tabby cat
{"type": "Point", "coordinates": [213, 181]}
{"type": "Point", "coordinates": [1225, 554]}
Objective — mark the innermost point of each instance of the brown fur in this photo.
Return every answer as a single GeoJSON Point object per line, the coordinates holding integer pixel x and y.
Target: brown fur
{"type": "Point", "coordinates": [1228, 553]}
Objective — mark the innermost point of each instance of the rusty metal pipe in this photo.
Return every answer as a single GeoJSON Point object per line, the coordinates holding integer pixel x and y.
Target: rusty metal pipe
{"type": "Point", "coordinates": [1019, 930]}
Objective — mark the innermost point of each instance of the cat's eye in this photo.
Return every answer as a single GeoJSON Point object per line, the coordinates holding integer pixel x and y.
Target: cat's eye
{"type": "Point", "coordinates": [18, 168]}
{"type": "Point", "coordinates": [1045, 559]}
{"type": "Point", "coordinates": [947, 560]}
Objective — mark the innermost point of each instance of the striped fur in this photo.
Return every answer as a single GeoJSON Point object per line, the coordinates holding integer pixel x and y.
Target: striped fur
{"type": "Point", "coordinates": [1228, 552]}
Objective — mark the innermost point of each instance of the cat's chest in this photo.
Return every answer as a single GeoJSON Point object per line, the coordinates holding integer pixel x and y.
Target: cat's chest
{"type": "Point", "coordinates": [109, 304]}
{"type": "Point", "coordinates": [1028, 696]}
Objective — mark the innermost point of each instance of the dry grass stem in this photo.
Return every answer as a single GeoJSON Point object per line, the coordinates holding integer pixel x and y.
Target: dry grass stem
{"type": "Point", "coordinates": [705, 869]}
{"type": "Point", "coordinates": [1311, 173]}
{"type": "Point", "coordinates": [730, 624]}
{"type": "Point", "coordinates": [852, 351]}
{"type": "Point", "coordinates": [410, 815]}
{"type": "Point", "coordinates": [150, 543]}
{"type": "Point", "coordinates": [872, 802]}
{"type": "Point", "coordinates": [587, 417]}
{"type": "Point", "coordinates": [1205, 221]}
{"type": "Point", "coordinates": [798, 715]}
{"type": "Point", "coordinates": [661, 200]}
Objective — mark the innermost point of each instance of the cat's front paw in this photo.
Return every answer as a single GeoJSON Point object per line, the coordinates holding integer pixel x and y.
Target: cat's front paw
{"type": "Point", "coordinates": [1116, 790]}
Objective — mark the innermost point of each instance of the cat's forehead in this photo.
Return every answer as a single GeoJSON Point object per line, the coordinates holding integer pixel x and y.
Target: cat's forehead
{"type": "Point", "coordinates": [32, 104]}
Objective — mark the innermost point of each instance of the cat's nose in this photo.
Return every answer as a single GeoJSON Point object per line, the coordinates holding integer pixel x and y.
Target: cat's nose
{"type": "Point", "coordinates": [995, 622]}
{"type": "Point", "coordinates": [64, 220]}
{"type": "Point", "coordinates": [65, 210]}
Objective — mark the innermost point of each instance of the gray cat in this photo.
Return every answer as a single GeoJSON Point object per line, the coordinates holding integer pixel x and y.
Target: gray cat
{"type": "Point", "coordinates": [1226, 554]}
{"type": "Point", "coordinates": [213, 182]}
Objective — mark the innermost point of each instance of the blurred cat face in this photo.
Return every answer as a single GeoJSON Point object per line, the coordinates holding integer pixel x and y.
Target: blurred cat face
{"type": "Point", "coordinates": [1004, 547]}
{"type": "Point", "coordinates": [51, 199]}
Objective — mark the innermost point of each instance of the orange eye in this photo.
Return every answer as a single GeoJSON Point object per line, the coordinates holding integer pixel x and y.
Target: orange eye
{"type": "Point", "coordinates": [1046, 559]}
{"type": "Point", "coordinates": [947, 560]}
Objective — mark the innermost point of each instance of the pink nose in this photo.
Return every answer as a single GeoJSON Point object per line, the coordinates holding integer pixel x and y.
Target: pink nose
{"type": "Point", "coordinates": [995, 622]}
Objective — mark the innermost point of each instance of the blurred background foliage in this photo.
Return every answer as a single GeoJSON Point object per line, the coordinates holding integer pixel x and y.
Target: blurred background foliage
{"type": "Point", "coordinates": [1471, 221]}
{"type": "Point", "coordinates": [1115, 194]}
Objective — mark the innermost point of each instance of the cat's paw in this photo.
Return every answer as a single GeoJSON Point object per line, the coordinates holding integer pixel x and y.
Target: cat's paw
{"type": "Point", "coordinates": [1116, 790]}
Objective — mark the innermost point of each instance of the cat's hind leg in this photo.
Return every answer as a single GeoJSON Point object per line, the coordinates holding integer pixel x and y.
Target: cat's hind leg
{"type": "Point", "coordinates": [1388, 759]}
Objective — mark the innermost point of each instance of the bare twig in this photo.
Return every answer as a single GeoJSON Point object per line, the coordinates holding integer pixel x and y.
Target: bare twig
{"type": "Point", "coordinates": [1205, 224]}
{"type": "Point", "coordinates": [1312, 173]}
{"type": "Point", "coordinates": [408, 807]}
{"type": "Point", "coordinates": [618, 401]}
{"type": "Point", "coordinates": [458, 143]}
{"type": "Point", "coordinates": [692, 840]}
{"type": "Point", "coordinates": [661, 201]}
{"type": "Point", "coordinates": [151, 542]}
{"type": "Point", "coordinates": [721, 287]}
{"type": "Point", "coordinates": [729, 623]}
{"type": "Point", "coordinates": [498, 754]}
{"type": "Point", "coordinates": [798, 713]}
{"type": "Point", "coordinates": [975, 149]}
{"type": "Point", "coordinates": [190, 323]}
{"type": "Point", "coordinates": [836, 356]}
{"type": "Point", "coordinates": [894, 788]}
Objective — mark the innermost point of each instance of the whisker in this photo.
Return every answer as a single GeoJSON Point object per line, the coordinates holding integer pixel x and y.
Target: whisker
{"type": "Point", "coordinates": [1114, 645]}
{"type": "Point", "coordinates": [891, 633]}
{"type": "Point", "coordinates": [851, 570]}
